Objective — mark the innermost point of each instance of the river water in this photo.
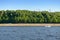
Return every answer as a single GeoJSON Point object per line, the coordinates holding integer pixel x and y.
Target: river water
{"type": "Point", "coordinates": [30, 33]}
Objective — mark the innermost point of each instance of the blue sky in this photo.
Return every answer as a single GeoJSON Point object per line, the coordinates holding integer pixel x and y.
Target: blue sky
{"type": "Point", "coordinates": [49, 5]}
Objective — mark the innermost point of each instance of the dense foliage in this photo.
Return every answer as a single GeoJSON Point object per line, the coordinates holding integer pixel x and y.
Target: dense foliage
{"type": "Point", "coordinates": [25, 16]}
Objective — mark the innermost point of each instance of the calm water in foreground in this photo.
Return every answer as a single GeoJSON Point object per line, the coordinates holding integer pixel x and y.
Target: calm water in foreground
{"type": "Point", "coordinates": [29, 33]}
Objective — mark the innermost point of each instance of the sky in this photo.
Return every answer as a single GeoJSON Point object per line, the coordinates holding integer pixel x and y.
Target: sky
{"type": "Point", "coordinates": [37, 5]}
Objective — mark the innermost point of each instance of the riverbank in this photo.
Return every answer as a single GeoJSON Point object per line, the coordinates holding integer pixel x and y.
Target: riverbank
{"type": "Point", "coordinates": [30, 24]}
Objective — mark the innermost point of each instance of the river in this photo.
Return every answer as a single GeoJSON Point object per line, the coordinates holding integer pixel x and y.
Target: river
{"type": "Point", "coordinates": [30, 33]}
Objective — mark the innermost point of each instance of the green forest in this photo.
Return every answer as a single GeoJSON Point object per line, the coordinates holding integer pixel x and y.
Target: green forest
{"type": "Point", "coordinates": [26, 16]}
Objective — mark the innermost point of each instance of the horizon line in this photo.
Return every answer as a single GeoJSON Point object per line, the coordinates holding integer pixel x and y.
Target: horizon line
{"type": "Point", "coordinates": [30, 10]}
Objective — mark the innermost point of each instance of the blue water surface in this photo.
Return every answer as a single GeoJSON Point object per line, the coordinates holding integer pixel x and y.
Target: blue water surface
{"type": "Point", "coordinates": [29, 33]}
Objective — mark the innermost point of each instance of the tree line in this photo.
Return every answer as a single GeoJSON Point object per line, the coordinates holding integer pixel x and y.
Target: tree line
{"type": "Point", "coordinates": [26, 16]}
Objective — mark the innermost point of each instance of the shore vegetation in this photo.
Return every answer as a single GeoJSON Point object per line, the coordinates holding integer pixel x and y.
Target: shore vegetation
{"type": "Point", "coordinates": [26, 16]}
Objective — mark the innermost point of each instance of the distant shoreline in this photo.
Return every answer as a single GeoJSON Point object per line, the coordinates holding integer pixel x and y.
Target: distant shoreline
{"type": "Point", "coordinates": [44, 24]}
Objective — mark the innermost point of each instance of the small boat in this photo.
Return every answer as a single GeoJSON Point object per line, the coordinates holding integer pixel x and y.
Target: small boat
{"type": "Point", "coordinates": [48, 26]}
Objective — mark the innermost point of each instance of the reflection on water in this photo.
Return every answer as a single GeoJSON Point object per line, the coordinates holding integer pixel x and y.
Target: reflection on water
{"type": "Point", "coordinates": [29, 33]}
